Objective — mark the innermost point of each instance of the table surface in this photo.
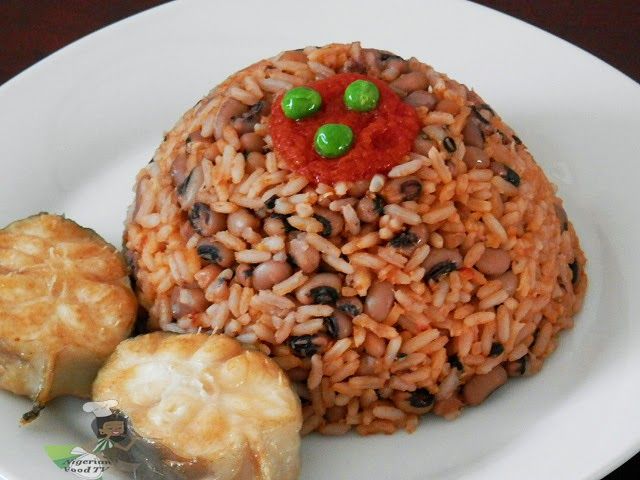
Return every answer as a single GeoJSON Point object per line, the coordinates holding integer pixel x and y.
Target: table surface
{"type": "Point", "coordinates": [32, 29]}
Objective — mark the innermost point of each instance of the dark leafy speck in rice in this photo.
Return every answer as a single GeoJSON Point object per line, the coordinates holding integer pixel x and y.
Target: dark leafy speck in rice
{"type": "Point", "coordinates": [327, 229]}
{"type": "Point", "coordinates": [478, 114]}
{"type": "Point", "coordinates": [292, 261]}
{"type": "Point", "coordinates": [303, 345]}
{"type": "Point", "coordinates": [203, 220]}
{"type": "Point", "coordinates": [421, 398]}
{"type": "Point", "coordinates": [575, 272]}
{"type": "Point", "coordinates": [440, 270]}
{"type": "Point", "coordinates": [331, 326]}
{"type": "Point", "coordinates": [496, 349]}
{"type": "Point", "coordinates": [404, 240]}
{"type": "Point", "coordinates": [324, 295]}
{"type": "Point", "coordinates": [252, 116]}
{"type": "Point", "coordinates": [523, 364]}
{"type": "Point", "coordinates": [449, 144]}
{"type": "Point", "coordinates": [384, 56]}
{"type": "Point", "coordinates": [512, 177]}
{"type": "Point", "coordinates": [411, 189]}
{"type": "Point", "coordinates": [215, 253]}
{"type": "Point", "coordinates": [350, 306]}
{"type": "Point", "coordinates": [182, 188]}
{"type": "Point", "coordinates": [378, 204]}
{"type": "Point", "coordinates": [287, 226]}
{"type": "Point", "coordinates": [270, 203]}
{"type": "Point", "coordinates": [455, 362]}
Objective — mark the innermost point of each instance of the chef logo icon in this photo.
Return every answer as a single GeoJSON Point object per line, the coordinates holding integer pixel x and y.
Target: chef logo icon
{"type": "Point", "coordinates": [112, 448]}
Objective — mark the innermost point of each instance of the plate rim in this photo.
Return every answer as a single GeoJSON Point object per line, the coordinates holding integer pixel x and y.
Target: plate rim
{"type": "Point", "coordinates": [69, 50]}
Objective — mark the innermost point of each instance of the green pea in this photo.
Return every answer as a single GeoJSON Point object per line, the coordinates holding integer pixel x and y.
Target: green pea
{"type": "Point", "coordinates": [301, 102]}
{"type": "Point", "coordinates": [333, 140]}
{"type": "Point", "coordinates": [361, 96]}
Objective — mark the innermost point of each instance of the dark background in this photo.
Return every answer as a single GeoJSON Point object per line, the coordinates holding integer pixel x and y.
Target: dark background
{"type": "Point", "coordinates": [610, 29]}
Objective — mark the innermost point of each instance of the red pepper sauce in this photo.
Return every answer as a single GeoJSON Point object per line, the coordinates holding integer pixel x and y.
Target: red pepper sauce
{"type": "Point", "coordinates": [382, 137]}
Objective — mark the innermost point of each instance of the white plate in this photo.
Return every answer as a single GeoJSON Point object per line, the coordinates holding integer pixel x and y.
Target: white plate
{"type": "Point", "coordinates": [75, 129]}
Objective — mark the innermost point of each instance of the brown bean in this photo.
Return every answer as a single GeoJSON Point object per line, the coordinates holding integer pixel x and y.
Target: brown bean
{"type": "Point", "coordinates": [494, 261]}
{"type": "Point", "coordinates": [323, 288]}
{"type": "Point", "coordinates": [499, 169]}
{"type": "Point", "coordinates": [475, 157]}
{"type": "Point", "coordinates": [402, 189]}
{"type": "Point", "coordinates": [479, 387]}
{"type": "Point", "coordinates": [188, 189]}
{"type": "Point", "coordinates": [205, 221]}
{"type": "Point", "coordinates": [518, 367]}
{"type": "Point", "coordinates": [422, 145]}
{"type": "Point", "coordinates": [474, 98]}
{"type": "Point", "coordinates": [243, 274]}
{"type": "Point", "coordinates": [229, 109]}
{"type": "Point", "coordinates": [367, 211]}
{"type": "Point", "coordinates": [255, 160]}
{"type": "Point", "coordinates": [195, 136]}
{"type": "Point", "coordinates": [332, 222]}
{"type": "Point", "coordinates": [472, 134]}
{"type": "Point", "coordinates": [368, 365]}
{"type": "Point", "coordinates": [359, 188]}
{"type": "Point", "coordinates": [298, 374]}
{"type": "Point", "coordinates": [421, 231]}
{"type": "Point", "coordinates": [245, 122]}
{"type": "Point", "coordinates": [306, 257]}
{"type": "Point", "coordinates": [440, 255]}
{"type": "Point", "coordinates": [338, 325]}
{"type": "Point", "coordinates": [452, 168]}
{"type": "Point", "coordinates": [211, 152]}
{"type": "Point", "coordinates": [335, 413]}
{"type": "Point", "coordinates": [421, 98]}
{"type": "Point", "coordinates": [274, 226]}
{"type": "Point", "coordinates": [178, 169]}
{"type": "Point", "coordinates": [267, 274]}
{"type": "Point", "coordinates": [185, 301]}
{"type": "Point", "coordinates": [379, 301]}
{"type": "Point", "coordinates": [207, 275]}
{"type": "Point", "coordinates": [410, 82]}
{"type": "Point", "coordinates": [352, 306]}
{"type": "Point", "coordinates": [374, 345]}
{"type": "Point", "coordinates": [408, 240]}
{"type": "Point", "coordinates": [509, 282]}
{"type": "Point", "coordinates": [397, 63]}
{"type": "Point", "coordinates": [186, 230]}
{"type": "Point", "coordinates": [368, 228]}
{"type": "Point", "coordinates": [449, 106]}
{"type": "Point", "coordinates": [215, 252]}
{"type": "Point", "coordinates": [252, 142]}
{"type": "Point", "coordinates": [506, 172]}
{"type": "Point", "coordinates": [241, 219]}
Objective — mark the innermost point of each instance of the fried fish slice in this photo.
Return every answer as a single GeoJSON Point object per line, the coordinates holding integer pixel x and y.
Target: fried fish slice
{"type": "Point", "coordinates": [65, 303]}
{"type": "Point", "coordinates": [210, 408]}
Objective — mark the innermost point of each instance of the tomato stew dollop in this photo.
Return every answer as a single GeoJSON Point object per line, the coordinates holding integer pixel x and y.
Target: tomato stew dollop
{"type": "Point", "coordinates": [382, 136]}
